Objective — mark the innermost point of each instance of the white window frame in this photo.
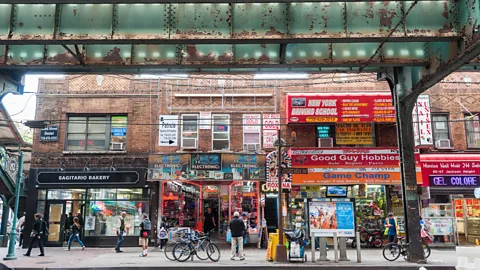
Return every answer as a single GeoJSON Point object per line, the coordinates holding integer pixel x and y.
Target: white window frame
{"type": "Point", "coordinates": [182, 131]}
{"type": "Point", "coordinates": [213, 131]}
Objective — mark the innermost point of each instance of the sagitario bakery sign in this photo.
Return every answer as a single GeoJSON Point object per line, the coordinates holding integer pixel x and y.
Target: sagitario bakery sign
{"type": "Point", "coordinates": [330, 107]}
{"type": "Point", "coordinates": [348, 166]}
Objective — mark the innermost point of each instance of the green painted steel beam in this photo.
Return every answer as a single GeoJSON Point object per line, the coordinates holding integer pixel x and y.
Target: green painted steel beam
{"type": "Point", "coordinates": [175, 1]}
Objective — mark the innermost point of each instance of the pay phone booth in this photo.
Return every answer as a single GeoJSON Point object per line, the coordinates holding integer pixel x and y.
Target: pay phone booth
{"type": "Point", "coordinates": [331, 217]}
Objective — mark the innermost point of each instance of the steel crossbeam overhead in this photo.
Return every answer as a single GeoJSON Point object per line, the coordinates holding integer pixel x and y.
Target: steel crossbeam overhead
{"type": "Point", "coordinates": [155, 35]}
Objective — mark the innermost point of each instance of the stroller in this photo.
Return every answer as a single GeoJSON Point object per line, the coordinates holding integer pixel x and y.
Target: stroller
{"type": "Point", "coordinates": [296, 245]}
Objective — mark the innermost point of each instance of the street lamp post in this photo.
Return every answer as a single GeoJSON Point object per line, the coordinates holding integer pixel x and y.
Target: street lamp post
{"type": "Point", "coordinates": [13, 233]}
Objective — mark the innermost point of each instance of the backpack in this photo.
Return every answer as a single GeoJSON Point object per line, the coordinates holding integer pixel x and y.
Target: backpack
{"type": "Point", "coordinates": [147, 225]}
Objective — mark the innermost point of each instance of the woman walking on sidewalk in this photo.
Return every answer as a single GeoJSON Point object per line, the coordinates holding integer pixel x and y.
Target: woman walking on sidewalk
{"type": "Point", "coordinates": [75, 234]}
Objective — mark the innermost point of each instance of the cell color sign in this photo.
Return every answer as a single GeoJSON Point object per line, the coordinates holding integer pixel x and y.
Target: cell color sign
{"type": "Point", "coordinates": [454, 181]}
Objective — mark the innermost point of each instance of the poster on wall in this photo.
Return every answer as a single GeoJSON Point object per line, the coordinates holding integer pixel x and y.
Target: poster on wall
{"type": "Point", "coordinates": [270, 123]}
{"type": "Point", "coordinates": [353, 134]}
{"type": "Point", "coordinates": [205, 120]}
{"type": "Point", "coordinates": [271, 165]}
{"type": "Point", "coordinates": [251, 123]}
{"type": "Point", "coordinates": [327, 216]}
{"type": "Point", "coordinates": [168, 130]}
{"type": "Point", "coordinates": [422, 122]}
{"type": "Point", "coordinates": [90, 223]}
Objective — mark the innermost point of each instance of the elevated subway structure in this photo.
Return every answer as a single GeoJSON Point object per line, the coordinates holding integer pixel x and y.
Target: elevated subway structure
{"type": "Point", "coordinates": [411, 44]}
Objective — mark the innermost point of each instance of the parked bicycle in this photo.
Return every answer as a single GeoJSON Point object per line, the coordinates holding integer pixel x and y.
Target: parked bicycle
{"type": "Point", "coordinates": [181, 236]}
{"type": "Point", "coordinates": [392, 251]}
{"type": "Point", "coordinates": [201, 246]}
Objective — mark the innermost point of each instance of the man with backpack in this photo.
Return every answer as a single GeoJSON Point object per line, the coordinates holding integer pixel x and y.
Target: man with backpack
{"type": "Point", "coordinates": [145, 228]}
{"type": "Point", "coordinates": [40, 229]}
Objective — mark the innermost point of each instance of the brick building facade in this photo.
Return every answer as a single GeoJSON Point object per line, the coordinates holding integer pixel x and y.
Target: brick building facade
{"type": "Point", "coordinates": [143, 100]}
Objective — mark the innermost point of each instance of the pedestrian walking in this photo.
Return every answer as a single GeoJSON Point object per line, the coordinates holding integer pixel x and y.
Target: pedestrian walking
{"type": "Point", "coordinates": [209, 222]}
{"type": "Point", "coordinates": [145, 228]}
{"type": "Point", "coordinates": [162, 233]}
{"type": "Point", "coordinates": [76, 229]}
{"type": "Point", "coordinates": [391, 228]}
{"type": "Point", "coordinates": [120, 232]}
{"type": "Point", "coordinates": [39, 230]}
{"type": "Point", "coordinates": [237, 229]}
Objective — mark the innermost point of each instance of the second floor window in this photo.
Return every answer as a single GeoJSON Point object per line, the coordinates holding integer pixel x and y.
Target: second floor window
{"type": "Point", "coordinates": [190, 131]}
{"type": "Point", "coordinates": [441, 132]}
{"type": "Point", "coordinates": [96, 133]}
{"type": "Point", "coordinates": [220, 132]}
{"type": "Point", "coordinates": [472, 126]}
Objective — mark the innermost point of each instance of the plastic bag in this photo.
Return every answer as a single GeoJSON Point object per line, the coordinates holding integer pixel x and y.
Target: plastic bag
{"type": "Point", "coordinates": [295, 250]}
{"type": "Point", "coordinates": [229, 236]}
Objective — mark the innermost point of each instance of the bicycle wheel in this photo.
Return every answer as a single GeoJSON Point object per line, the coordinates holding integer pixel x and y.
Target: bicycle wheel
{"type": "Point", "coordinates": [169, 251]}
{"type": "Point", "coordinates": [391, 252]}
{"type": "Point", "coordinates": [426, 250]}
{"type": "Point", "coordinates": [202, 251]}
{"type": "Point", "coordinates": [213, 252]}
{"type": "Point", "coordinates": [182, 252]}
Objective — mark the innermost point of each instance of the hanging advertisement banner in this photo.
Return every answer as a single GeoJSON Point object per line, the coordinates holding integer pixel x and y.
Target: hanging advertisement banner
{"type": "Point", "coordinates": [350, 166]}
{"type": "Point", "coordinates": [270, 123]}
{"type": "Point", "coordinates": [354, 134]}
{"type": "Point", "coordinates": [205, 120]}
{"type": "Point", "coordinates": [422, 122]}
{"type": "Point", "coordinates": [327, 216]}
{"type": "Point", "coordinates": [271, 163]}
{"type": "Point", "coordinates": [335, 107]}
{"type": "Point", "coordinates": [251, 123]}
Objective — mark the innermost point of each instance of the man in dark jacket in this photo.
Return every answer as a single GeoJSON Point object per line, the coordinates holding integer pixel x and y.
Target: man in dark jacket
{"type": "Point", "coordinates": [39, 230]}
{"type": "Point", "coordinates": [237, 229]}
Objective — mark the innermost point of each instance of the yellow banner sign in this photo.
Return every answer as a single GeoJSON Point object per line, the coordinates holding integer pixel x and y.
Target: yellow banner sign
{"type": "Point", "coordinates": [354, 134]}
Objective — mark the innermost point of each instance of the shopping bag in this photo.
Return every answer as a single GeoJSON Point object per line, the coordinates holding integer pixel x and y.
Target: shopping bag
{"type": "Point", "coordinates": [295, 250]}
{"type": "Point", "coordinates": [229, 236]}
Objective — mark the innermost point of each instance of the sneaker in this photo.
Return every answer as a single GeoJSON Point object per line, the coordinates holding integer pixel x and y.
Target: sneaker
{"type": "Point", "coordinates": [26, 255]}
{"type": "Point", "coordinates": [141, 255]}
{"type": "Point", "coordinates": [232, 258]}
{"type": "Point", "coordinates": [83, 248]}
{"type": "Point", "coordinates": [327, 248]}
{"type": "Point", "coordinates": [119, 251]}
{"type": "Point", "coordinates": [242, 259]}
{"type": "Point", "coordinates": [67, 249]}
{"type": "Point", "coordinates": [41, 255]}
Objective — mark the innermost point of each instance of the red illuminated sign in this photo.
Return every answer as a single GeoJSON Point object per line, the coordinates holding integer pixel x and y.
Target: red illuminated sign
{"type": "Point", "coordinates": [349, 108]}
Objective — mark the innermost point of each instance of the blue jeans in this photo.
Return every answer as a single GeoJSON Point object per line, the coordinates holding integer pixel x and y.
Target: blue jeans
{"type": "Point", "coordinates": [74, 236]}
{"type": "Point", "coordinates": [119, 240]}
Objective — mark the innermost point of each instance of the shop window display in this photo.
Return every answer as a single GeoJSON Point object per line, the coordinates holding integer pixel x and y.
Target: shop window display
{"type": "Point", "coordinates": [244, 199]}
{"type": "Point", "coordinates": [370, 205]}
{"type": "Point", "coordinates": [181, 204]}
{"type": "Point", "coordinates": [439, 222]}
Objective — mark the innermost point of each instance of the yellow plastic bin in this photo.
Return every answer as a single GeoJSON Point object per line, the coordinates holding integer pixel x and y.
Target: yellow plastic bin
{"type": "Point", "coordinates": [272, 246]}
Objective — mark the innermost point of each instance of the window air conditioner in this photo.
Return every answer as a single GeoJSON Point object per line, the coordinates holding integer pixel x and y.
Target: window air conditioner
{"type": "Point", "coordinates": [325, 142]}
{"type": "Point", "coordinates": [117, 146]}
{"type": "Point", "coordinates": [444, 143]}
{"type": "Point", "coordinates": [251, 147]}
{"type": "Point", "coordinates": [189, 143]}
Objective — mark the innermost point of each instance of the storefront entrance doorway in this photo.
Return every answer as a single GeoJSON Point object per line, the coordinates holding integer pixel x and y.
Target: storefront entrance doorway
{"type": "Point", "coordinates": [55, 218]}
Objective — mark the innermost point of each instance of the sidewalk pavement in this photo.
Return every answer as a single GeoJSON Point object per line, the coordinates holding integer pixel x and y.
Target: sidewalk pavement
{"type": "Point", "coordinates": [93, 258]}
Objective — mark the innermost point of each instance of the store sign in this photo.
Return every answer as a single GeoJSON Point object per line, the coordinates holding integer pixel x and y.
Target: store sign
{"type": "Point", "coordinates": [270, 123]}
{"type": "Point", "coordinates": [49, 134]}
{"type": "Point", "coordinates": [211, 166]}
{"type": "Point", "coordinates": [168, 130]}
{"type": "Point", "coordinates": [353, 134]}
{"type": "Point", "coordinates": [422, 122]}
{"type": "Point", "coordinates": [454, 181]}
{"type": "Point", "coordinates": [272, 170]}
{"type": "Point", "coordinates": [331, 107]}
{"type": "Point", "coordinates": [324, 131]}
{"type": "Point", "coordinates": [348, 166]}
{"type": "Point", "coordinates": [251, 123]}
{"type": "Point", "coordinates": [434, 165]}
{"type": "Point", "coordinates": [205, 120]}
{"type": "Point", "coordinates": [88, 177]}
{"type": "Point", "coordinates": [327, 216]}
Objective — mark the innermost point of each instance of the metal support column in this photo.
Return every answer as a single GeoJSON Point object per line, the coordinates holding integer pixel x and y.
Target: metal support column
{"type": "Point", "coordinates": [281, 248]}
{"type": "Point", "coordinates": [400, 81]}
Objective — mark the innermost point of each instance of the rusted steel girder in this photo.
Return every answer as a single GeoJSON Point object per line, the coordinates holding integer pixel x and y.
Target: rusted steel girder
{"type": "Point", "coordinates": [170, 1]}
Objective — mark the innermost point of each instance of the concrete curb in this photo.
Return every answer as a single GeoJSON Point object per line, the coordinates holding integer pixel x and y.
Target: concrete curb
{"type": "Point", "coordinates": [250, 267]}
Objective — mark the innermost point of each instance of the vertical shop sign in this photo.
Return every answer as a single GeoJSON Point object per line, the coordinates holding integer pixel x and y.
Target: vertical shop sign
{"type": "Point", "coordinates": [205, 120]}
{"type": "Point", "coordinates": [272, 170]}
{"type": "Point", "coordinates": [422, 123]}
{"type": "Point", "coordinates": [271, 123]}
{"type": "Point", "coordinates": [168, 130]}
{"type": "Point", "coordinates": [353, 134]}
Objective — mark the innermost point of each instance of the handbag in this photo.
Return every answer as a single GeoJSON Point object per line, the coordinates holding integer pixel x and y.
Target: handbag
{"type": "Point", "coordinates": [145, 234]}
{"type": "Point", "coordinates": [229, 236]}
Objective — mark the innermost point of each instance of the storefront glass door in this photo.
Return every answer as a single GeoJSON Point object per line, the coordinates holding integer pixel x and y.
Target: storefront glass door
{"type": "Point", "coordinates": [55, 218]}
